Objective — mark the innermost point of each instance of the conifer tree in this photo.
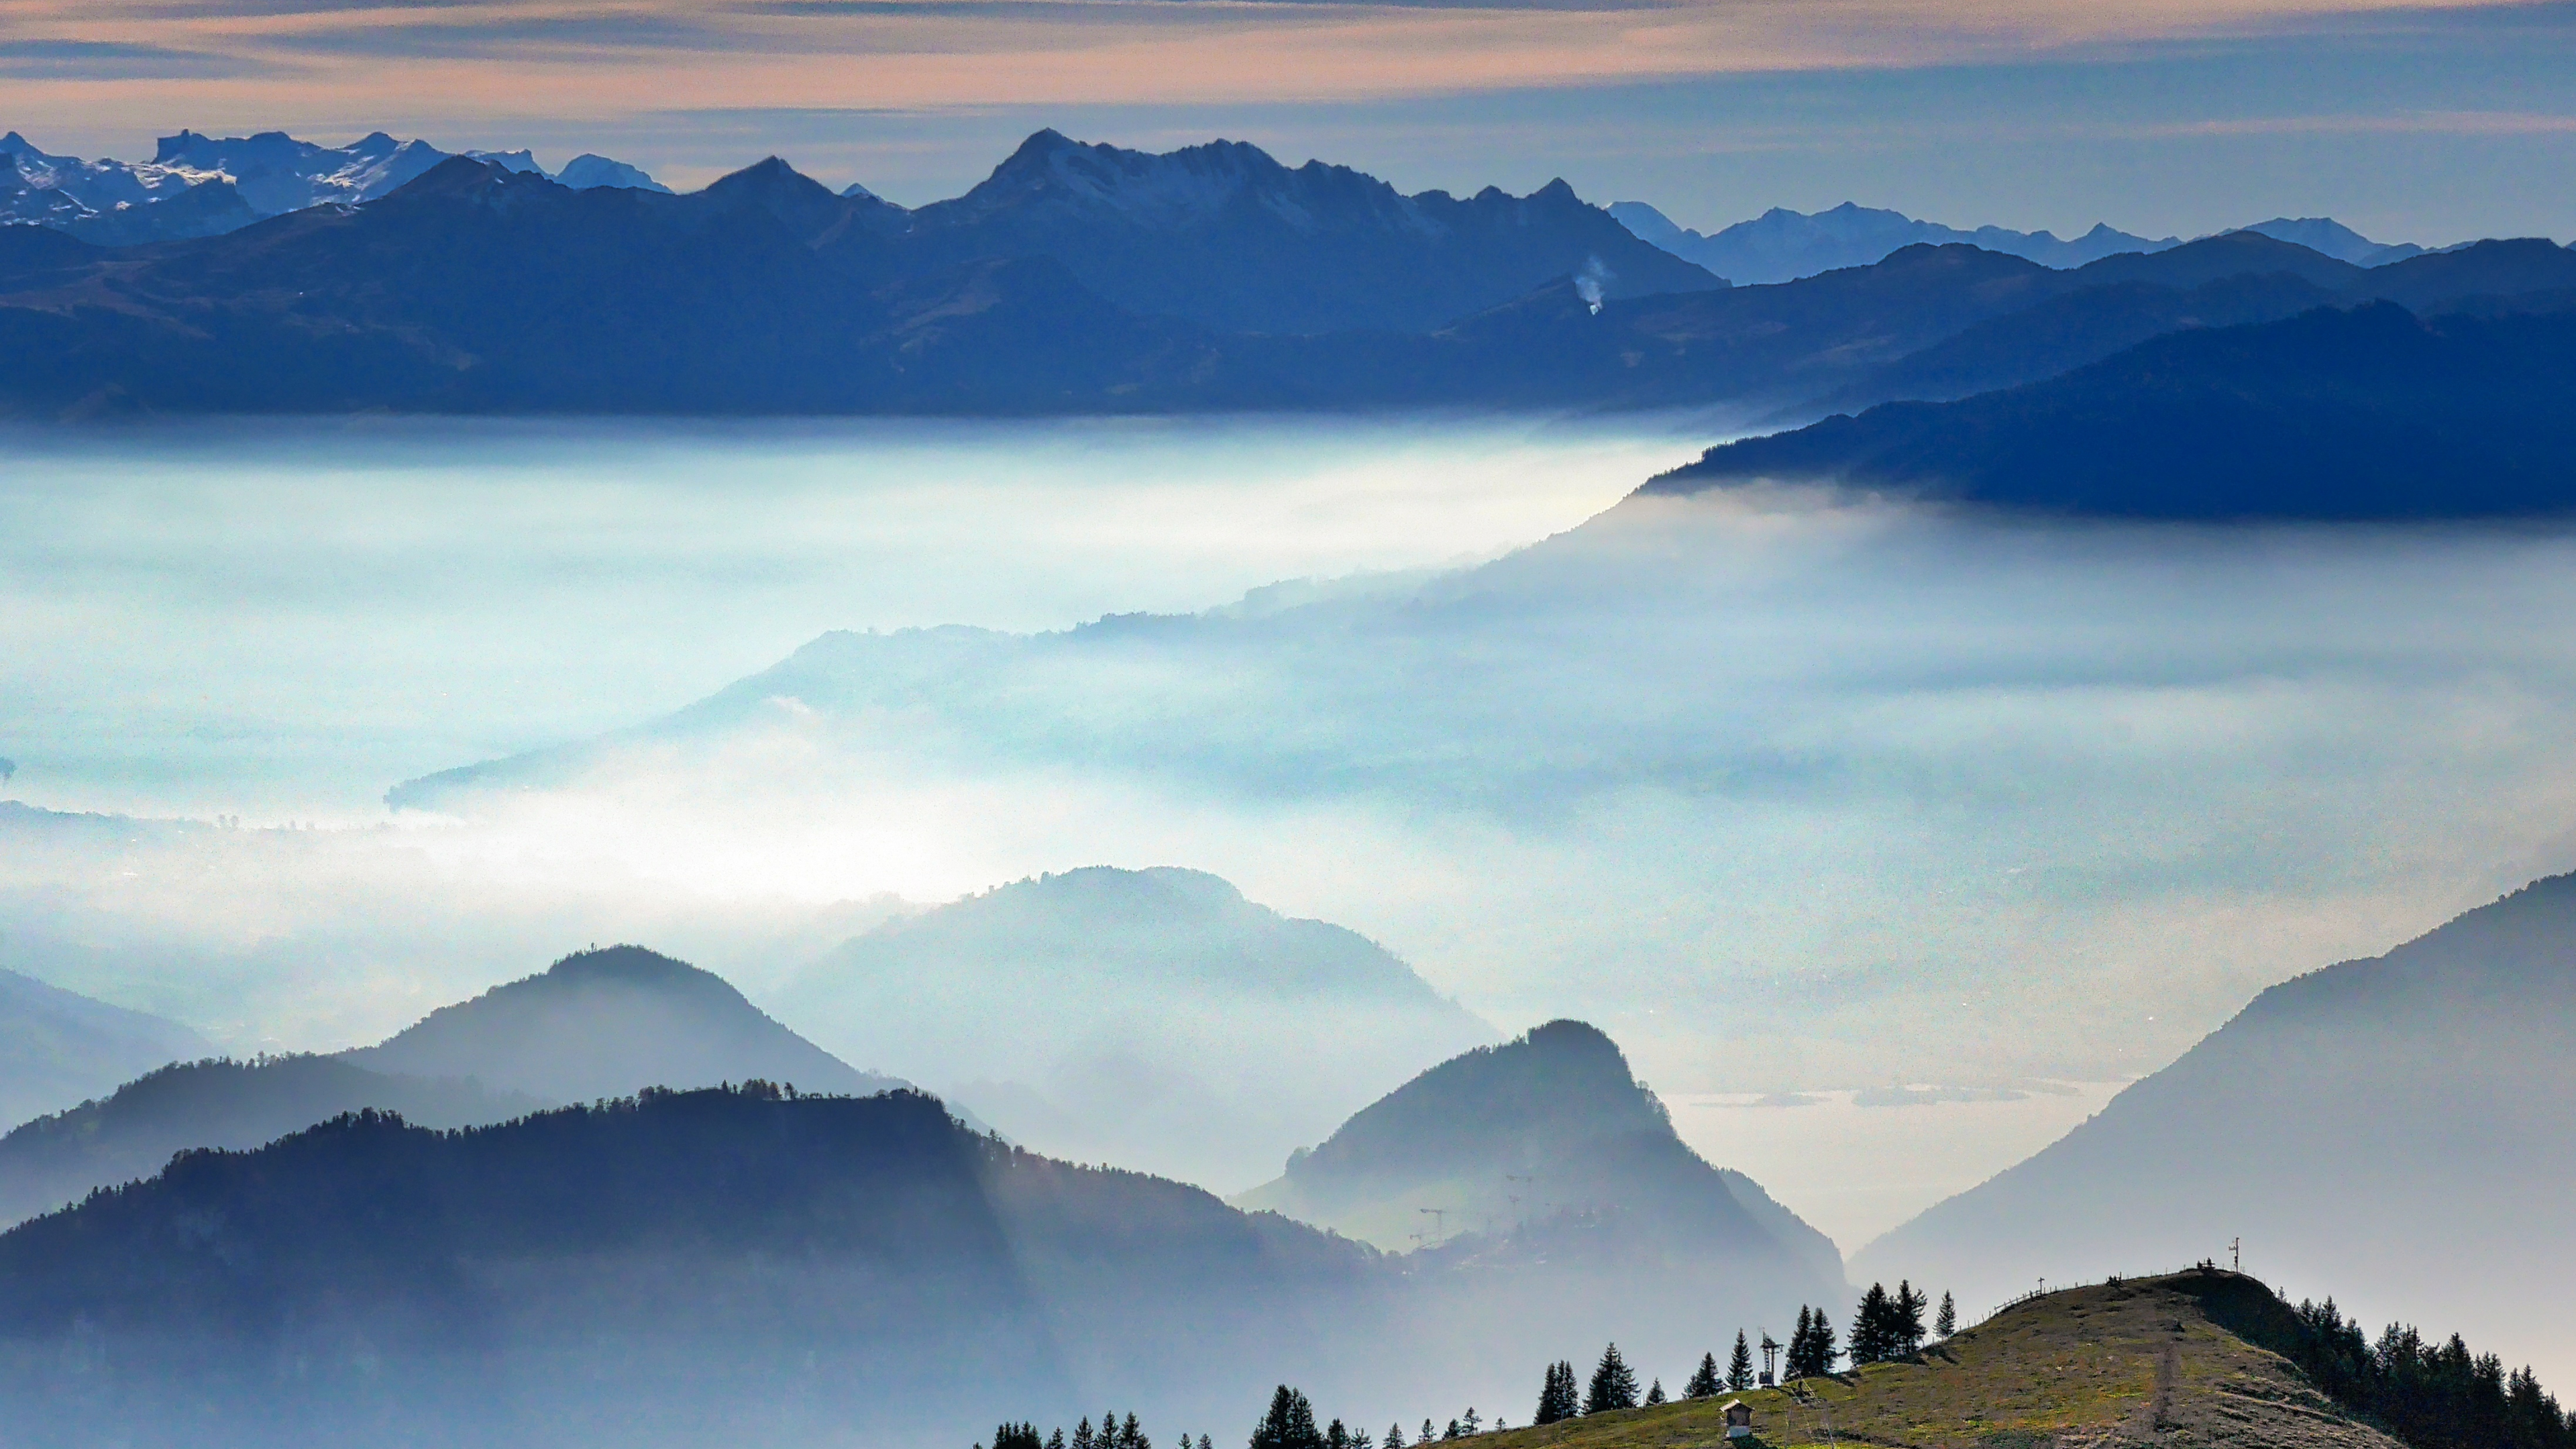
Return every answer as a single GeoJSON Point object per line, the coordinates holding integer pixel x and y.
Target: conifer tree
{"type": "Point", "coordinates": [1704, 1382]}
{"type": "Point", "coordinates": [1452, 1431]}
{"type": "Point", "coordinates": [1082, 1436]}
{"type": "Point", "coordinates": [1394, 1436]}
{"type": "Point", "coordinates": [1800, 1344]}
{"type": "Point", "coordinates": [1655, 1393]}
{"type": "Point", "coordinates": [1908, 1322]}
{"type": "Point", "coordinates": [1428, 1433]}
{"type": "Point", "coordinates": [1361, 1440]}
{"type": "Point", "coordinates": [1558, 1399]}
{"type": "Point", "coordinates": [1471, 1419]}
{"type": "Point", "coordinates": [1614, 1384]}
{"type": "Point", "coordinates": [1056, 1439]}
{"type": "Point", "coordinates": [1337, 1437]}
{"type": "Point", "coordinates": [1290, 1423]}
{"type": "Point", "coordinates": [1821, 1350]}
{"type": "Point", "coordinates": [1873, 1330]}
{"type": "Point", "coordinates": [1739, 1364]}
{"type": "Point", "coordinates": [1946, 1322]}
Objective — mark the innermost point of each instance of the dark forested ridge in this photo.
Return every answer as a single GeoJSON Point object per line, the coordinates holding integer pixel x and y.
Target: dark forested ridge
{"type": "Point", "coordinates": [669, 1269]}
{"type": "Point", "coordinates": [2371, 413]}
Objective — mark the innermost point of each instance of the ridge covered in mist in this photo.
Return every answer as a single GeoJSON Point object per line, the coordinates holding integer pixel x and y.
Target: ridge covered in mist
{"type": "Point", "coordinates": [2425, 1086]}
{"type": "Point", "coordinates": [58, 1048]}
{"type": "Point", "coordinates": [1160, 1019]}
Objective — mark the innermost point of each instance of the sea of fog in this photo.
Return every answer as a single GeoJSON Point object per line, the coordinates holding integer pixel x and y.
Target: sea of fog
{"type": "Point", "coordinates": [1878, 834]}
{"type": "Point", "coordinates": [278, 619]}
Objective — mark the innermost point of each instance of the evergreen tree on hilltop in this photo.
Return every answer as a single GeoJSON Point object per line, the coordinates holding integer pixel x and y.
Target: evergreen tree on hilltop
{"type": "Point", "coordinates": [1946, 1322]}
{"type": "Point", "coordinates": [1822, 1350]}
{"type": "Point", "coordinates": [1558, 1399]}
{"type": "Point", "coordinates": [1395, 1436]}
{"type": "Point", "coordinates": [1704, 1382]}
{"type": "Point", "coordinates": [1082, 1436]}
{"type": "Point", "coordinates": [1908, 1322]}
{"type": "Point", "coordinates": [1873, 1331]}
{"type": "Point", "coordinates": [1739, 1365]}
{"type": "Point", "coordinates": [1429, 1434]}
{"type": "Point", "coordinates": [1800, 1343]}
{"type": "Point", "coordinates": [1056, 1439]}
{"type": "Point", "coordinates": [1290, 1423]}
{"type": "Point", "coordinates": [1655, 1393]}
{"type": "Point", "coordinates": [1017, 1436]}
{"type": "Point", "coordinates": [1131, 1435]}
{"type": "Point", "coordinates": [1614, 1384]}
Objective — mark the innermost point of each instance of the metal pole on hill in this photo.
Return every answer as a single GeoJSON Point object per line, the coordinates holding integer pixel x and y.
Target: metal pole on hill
{"type": "Point", "coordinates": [2236, 1255]}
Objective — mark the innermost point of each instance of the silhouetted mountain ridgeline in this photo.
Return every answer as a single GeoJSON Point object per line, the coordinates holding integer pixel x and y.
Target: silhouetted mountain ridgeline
{"type": "Point", "coordinates": [2360, 414]}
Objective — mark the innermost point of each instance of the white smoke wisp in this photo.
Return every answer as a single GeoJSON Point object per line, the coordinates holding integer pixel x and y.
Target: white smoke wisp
{"type": "Point", "coordinates": [1590, 282]}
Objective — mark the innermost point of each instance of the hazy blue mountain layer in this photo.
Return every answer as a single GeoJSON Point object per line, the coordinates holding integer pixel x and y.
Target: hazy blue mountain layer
{"type": "Point", "coordinates": [1161, 1020]}
{"type": "Point", "coordinates": [740, 1264]}
{"type": "Point", "coordinates": [59, 1048]}
{"type": "Point", "coordinates": [1548, 1125]}
{"type": "Point", "coordinates": [132, 1132]}
{"type": "Point", "coordinates": [2368, 413]}
{"type": "Point", "coordinates": [1782, 245]}
{"type": "Point", "coordinates": [606, 1023]}
{"type": "Point", "coordinates": [2396, 1125]}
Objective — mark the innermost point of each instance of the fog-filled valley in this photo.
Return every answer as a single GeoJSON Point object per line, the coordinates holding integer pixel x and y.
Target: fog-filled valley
{"type": "Point", "coordinates": [1180, 781]}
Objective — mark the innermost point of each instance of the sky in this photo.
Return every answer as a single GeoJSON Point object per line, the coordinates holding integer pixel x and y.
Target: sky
{"type": "Point", "coordinates": [2429, 123]}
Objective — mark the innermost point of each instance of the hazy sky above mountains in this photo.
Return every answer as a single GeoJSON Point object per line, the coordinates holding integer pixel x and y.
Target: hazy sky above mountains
{"type": "Point", "coordinates": [2426, 122]}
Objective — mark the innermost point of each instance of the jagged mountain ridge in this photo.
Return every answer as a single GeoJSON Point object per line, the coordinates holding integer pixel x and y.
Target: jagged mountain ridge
{"type": "Point", "coordinates": [1783, 245]}
{"type": "Point", "coordinates": [1225, 236]}
{"type": "Point", "coordinates": [2335, 1105]}
{"type": "Point", "coordinates": [199, 186]}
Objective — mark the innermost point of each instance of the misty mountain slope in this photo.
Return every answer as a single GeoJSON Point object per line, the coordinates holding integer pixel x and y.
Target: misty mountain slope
{"type": "Point", "coordinates": [2367, 413]}
{"type": "Point", "coordinates": [1225, 236]}
{"type": "Point", "coordinates": [1153, 1018]}
{"type": "Point", "coordinates": [2229, 254]}
{"type": "Point", "coordinates": [1547, 1124]}
{"type": "Point", "coordinates": [132, 1132]}
{"type": "Point", "coordinates": [59, 1048]}
{"type": "Point", "coordinates": [605, 1023]}
{"type": "Point", "coordinates": [2487, 271]}
{"type": "Point", "coordinates": [2392, 1129]}
{"type": "Point", "coordinates": [1782, 245]}
{"type": "Point", "coordinates": [684, 1269]}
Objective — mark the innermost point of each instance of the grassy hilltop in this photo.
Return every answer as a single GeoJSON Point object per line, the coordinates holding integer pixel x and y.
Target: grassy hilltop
{"type": "Point", "coordinates": [2151, 1360]}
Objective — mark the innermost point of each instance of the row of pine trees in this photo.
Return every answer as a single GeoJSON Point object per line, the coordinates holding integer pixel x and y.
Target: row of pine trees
{"type": "Point", "coordinates": [2431, 1395]}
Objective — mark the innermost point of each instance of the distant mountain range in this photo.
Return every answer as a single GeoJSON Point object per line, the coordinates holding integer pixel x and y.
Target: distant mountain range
{"type": "Point", "coordinates": [1782, 245]}
{"type": "Point", "coordinates": [2391, 1130]}
{"type": "Point", "coordinates": [59, 1048]}
{"type": "Point", "coordinates": [196, 186]}
{"type": "Point", "coordinates": [734, 1264]}
{"type": "Point", "coordinates": [1161, 1021]}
